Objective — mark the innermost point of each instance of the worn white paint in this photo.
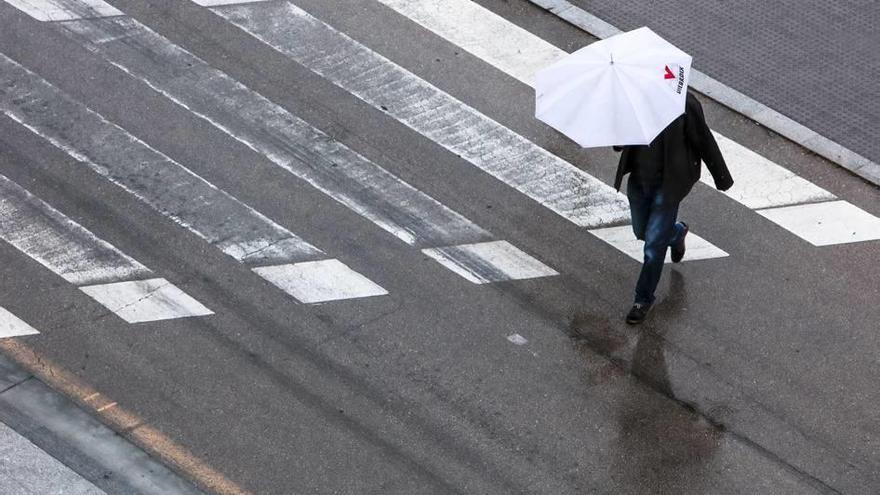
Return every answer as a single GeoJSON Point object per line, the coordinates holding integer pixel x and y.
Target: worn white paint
{"type": "Point", "coordinates": [13, 326]}
{"type": "Point", "coordinates": [488, 262]}
{"type": "Point", "coordinates": [57, 242]}
{"type": "Point", "coordinates": [146, 300]}
{"type": "Point", "coordinates": [171, 189]}
{"type": "Point", "coordinates": [509, 48]}
{"type": "Point", "coordinates": [517, 339]}
{"type": "Point", "coordinates": [320, 281]}
{"type": "Point", "coordinates": [760, 183]}
{"type": "Point", "coordinates": [74, 253]}
{"type": "Point", "coordinates": [64, 10]}
{"type": "Point", "coordinates": [166, 186]}
{"type": "Point", "coordinates": [462, 130]}
{"type": "Point", "coordinates": [495, 149]}
{"type": "Point", "coordinates": [211, 3]}
{"type": "Point", "coordinates": [26, 469]}
{"type": "Point", "coordinates": [623, 239]}
{"type": "Point", "coordinates": [267, 128]}
{"type": "Point", "coordinates": [823, 224]}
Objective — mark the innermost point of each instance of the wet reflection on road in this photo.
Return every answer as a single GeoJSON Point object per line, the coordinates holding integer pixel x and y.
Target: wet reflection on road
{"type": "Point", "coordinates": [663, 446]}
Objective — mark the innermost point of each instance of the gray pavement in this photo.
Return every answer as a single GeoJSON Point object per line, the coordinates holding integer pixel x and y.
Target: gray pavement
{"type": "Point", "coordinates": [757, 373]}
{"type": "Point", "coordinates": [815, 62]}
{"type": "Point", "coordinates": [48, 445]}
{"type": "Point", "coordinates": [27, 470]}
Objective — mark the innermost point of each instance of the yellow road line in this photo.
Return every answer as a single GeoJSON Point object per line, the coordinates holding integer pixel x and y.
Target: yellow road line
{"type": "Point", "coordinates": [123, 422]}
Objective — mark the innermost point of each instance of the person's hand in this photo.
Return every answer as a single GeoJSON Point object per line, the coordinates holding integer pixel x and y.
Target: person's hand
{"type": "Point", "coordinates": [724, 185]}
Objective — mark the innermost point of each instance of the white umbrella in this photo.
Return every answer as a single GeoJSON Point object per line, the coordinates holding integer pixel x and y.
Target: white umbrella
{"type": "Point", "coordinates": [622, 90]}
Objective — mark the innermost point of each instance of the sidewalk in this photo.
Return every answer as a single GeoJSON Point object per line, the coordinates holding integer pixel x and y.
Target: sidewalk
{"type": "Point", "coordinates": [25, 469]}
{"type": "Point", "coordinates": [824, 98]}
{"type": "Point", "coordinates": [50, 446]}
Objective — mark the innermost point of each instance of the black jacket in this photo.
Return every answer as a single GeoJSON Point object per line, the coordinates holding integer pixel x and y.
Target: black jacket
{"type": "Point", "coordinates": [686, 142]}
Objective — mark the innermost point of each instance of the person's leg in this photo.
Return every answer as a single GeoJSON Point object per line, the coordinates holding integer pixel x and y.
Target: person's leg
{"type": "Point", "coordinates": [639, 207]}
{"type": "Point", "coordinates": [660, 232]}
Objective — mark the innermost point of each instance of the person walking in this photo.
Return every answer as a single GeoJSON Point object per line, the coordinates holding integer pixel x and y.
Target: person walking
{"type": "Point", "coordinates": [661, 175]}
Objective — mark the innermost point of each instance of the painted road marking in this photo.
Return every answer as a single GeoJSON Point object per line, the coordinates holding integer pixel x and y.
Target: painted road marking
{"type": "Point", "coordinates": [289, 142]}
{"type": "Point", "coordinates": [27, 469]}
{"type": "Point", "coordinates": [57, 242]}
{"type": "Point", "coordinates": [823, 224]}
{"type": "Point", "coordinates": [486, 144]}
{"type": "Point", "coordinates": [123, 159]}
{"type": "Point", "coordinates": [495, 149]}
{"type": "Point", "coordinates": [64, 10]}
{"type": "Point", "coordinates": [226, 2]}
{"type": "Point", "coordinates": [272, 131]}
{"type": "Point", "coordinates": [488, 262]}
{"type": "Point", "coordinates": [320, 281]}
{"type": "Point", "coordinates": [510, 48]}
{"type": "Point", "coordinates": [146, 300]}
{"type": "Point", "coordinates": [760, 183]}
{"type": "Point", "coordinates": [169, 188]}
{"type": "Point", "coordinates": [77, 255]}
{"type": "Point", "coordinates": [622, 238]}
{"type": "Point", "coordinates": [13, 326]}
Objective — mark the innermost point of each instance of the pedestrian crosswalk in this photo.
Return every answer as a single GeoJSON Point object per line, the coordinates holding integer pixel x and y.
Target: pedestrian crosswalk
{"type": "Point", "coordinates": [269, 249]}
{"type": "Point", "coordinates": [302, 150]}
{"type": "Point", "coordinates": [112, 278]}
{"type": "Point", "coordinates": [509, 157]}
{"type": "Point", "coordinates": [169, 188]}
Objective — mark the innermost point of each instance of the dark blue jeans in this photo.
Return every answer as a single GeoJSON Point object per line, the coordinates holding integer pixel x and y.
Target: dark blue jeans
{"type": "Point", "coordinates": [653, 221]}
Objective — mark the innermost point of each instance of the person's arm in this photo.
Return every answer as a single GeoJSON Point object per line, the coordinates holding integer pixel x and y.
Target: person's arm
{"type": "Point", "coordinates": [702, 138]}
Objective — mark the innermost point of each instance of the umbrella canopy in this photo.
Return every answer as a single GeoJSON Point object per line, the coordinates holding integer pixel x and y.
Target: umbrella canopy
{"type": "Point", "coordinates": [622, 90]}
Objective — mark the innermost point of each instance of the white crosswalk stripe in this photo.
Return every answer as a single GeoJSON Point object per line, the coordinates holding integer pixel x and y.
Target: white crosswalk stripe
{"type": "Point", "coordinates": [488, 262]}
{"type": "Point", "coordinates": [289, 142]}
{"type": "Point", "coordinates": [94, 265]}
{"type": "Point", "coordinates": [461, 129]}
{"type": "Point", "coordinates": [319, 281]}
{"type": "Point", "coordinates": [62, 10]}
{"type": "Point", "coordinates": [622, 238]}
{"type": "Point", "coordinates": [13, 326]}
{"type": "Point", "coordinates": [426, 109]}
{"type": "Point", "coordinates": [823, 224]}
{"type": "Point", "coordinates": [760, 183]}
{"type": "Point", "coordinates": [166, 186]}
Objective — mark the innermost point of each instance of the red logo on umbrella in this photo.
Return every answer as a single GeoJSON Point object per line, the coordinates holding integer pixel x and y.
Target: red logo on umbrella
{"type": "Point", "coordinates": [669, 74]}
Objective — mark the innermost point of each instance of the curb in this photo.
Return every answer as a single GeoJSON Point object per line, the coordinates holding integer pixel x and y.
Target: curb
{"type": "Point", "coordinates": [733, 99]}
{"type": "Point", "coordinates": [64, 431]}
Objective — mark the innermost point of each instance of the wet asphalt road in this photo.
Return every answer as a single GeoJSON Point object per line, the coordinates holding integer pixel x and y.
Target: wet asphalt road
{"type": "Point", "coordinates": [756, 374]}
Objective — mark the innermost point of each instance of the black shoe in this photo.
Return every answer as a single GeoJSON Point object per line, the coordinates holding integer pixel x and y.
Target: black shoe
{"type": "Point", "coordinates": [678, 248]}
{"type": "Point", "coordinates": [638, 313]}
